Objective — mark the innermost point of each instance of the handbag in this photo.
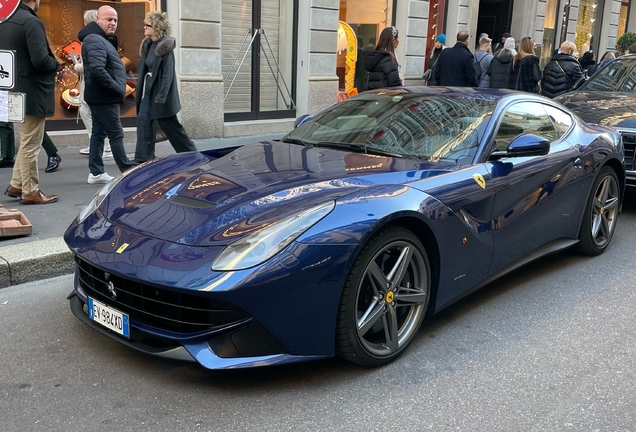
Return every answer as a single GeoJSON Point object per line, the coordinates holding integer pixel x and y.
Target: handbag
{"type": "Point", "coordinates": [160, 135]}
{"type": "Point", "coordinates": [428, 74]}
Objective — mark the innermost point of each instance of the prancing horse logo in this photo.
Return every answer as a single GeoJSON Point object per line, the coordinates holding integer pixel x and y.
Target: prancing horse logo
{"type": "Point", "coordinates": [111, 289]}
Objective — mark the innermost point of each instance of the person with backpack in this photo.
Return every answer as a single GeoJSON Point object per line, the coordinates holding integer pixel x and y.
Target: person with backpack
{"type": "Point", "coordinates": [482, 61]}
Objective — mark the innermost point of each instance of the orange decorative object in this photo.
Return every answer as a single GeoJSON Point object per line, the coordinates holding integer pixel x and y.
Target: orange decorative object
{"type": "Point", "coordinates": [128, 65]}
{"type": "Point", "coordinates": [68, 51]}
{"type": "Point", "coordinates": [351, 54]}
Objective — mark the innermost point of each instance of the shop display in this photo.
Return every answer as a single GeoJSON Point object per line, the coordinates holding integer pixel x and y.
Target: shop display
{"type": "Point", "coordinates": [63, 19]}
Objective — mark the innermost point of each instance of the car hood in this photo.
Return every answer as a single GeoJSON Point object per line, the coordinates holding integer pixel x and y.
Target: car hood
{"type": "Point", "coordinates": [608, 108]}
{"type": "Point", "coordinates": [204, 200]}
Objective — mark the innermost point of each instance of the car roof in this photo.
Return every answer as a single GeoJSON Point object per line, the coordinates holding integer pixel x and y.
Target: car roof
{"type": "Point", "coordinates": [474, 92]}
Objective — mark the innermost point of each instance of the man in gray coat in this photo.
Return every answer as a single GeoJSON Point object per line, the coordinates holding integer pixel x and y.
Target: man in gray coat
{"type": "Point", "coordinates": [104, 91]}
{"type": "Point", "coordinates": [35, 75]}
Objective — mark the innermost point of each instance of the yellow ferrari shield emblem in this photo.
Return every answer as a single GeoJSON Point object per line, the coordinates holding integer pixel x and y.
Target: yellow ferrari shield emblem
{"type": "Point", "coordinates": [122, 248]}
{"type": "Point", "coordinates": [480, 180]}
{"type": "Point", "coordinates": [389, 297]}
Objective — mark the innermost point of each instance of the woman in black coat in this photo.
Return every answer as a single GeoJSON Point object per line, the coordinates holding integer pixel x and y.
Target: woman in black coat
{"type": "Point", "coordinates": [382, 64]}
{"type": "Point", "coordinates": [501, 64]}
{"type": "Point", "coordinates": [526, 72]}
{"type": "Point", "coordinates": [157, 93]}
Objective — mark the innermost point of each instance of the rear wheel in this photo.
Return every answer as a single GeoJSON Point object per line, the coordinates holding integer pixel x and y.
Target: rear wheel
{"type": "Point", "coordinates": [601, 214]}
{"type": "Point", "coordinates": [384, 299]}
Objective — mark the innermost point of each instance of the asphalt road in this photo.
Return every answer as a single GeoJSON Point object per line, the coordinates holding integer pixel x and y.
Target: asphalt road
{"type": "Point", "coordinates": [550, 347]}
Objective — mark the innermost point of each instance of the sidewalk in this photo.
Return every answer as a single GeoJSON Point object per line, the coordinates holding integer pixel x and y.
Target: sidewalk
{"type": "Point", "coordinates": [44, 253]}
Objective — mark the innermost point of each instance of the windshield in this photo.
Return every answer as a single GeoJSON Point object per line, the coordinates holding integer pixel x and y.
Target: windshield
{"type": "Point", "coordinates": [431, 127]}
{"type": "Point", "coordinates": [612, 76]}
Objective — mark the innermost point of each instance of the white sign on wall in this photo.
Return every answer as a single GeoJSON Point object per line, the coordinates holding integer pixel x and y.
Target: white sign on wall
{"type": "Point", "coordinates": [12, 106]}
{"type": "Point", "coordinates": [7, 69]}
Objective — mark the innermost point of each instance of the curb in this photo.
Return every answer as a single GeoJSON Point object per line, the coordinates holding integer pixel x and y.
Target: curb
{"type": "Point", "coordinates": [35, 260]}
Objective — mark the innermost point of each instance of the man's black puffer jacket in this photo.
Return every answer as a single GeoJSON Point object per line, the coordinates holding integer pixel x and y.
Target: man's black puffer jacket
{"type": "Point", "coordinates": [554, 81]}
{"type": "Point", "coordinates": [104, 72]}
{"type": "Point", "coordinates": [382, 71]}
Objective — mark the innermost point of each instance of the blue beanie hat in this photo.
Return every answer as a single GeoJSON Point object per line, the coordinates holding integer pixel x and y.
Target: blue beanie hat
{"type": "Point", "coordinates": [441, 38]}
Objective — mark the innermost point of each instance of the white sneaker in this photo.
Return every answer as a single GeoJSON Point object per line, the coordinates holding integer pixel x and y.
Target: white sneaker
{"type": "Point", "coordinates": [99, 178]}
{"type": "Point", "coordinates": [85, 150]}
{"type": "Point", "coordinates": [107, 155]}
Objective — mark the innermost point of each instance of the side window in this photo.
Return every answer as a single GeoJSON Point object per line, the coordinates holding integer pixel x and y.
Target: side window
{"type": "Point", "coordinates": [524, 118]}
{"type": "Point", "coordinates": [610, 77]}
{"type": "Point", "coordinates": [561, 120]}
{"type": "Point", "coordinates": [630, 82]}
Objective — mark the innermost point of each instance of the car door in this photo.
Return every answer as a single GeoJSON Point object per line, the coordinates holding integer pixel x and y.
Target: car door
{"type": "Point", "coordinates": [535, 196]}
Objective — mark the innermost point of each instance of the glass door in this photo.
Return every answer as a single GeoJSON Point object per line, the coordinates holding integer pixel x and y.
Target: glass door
{"type": "Point", "coordinates": [258, 58]}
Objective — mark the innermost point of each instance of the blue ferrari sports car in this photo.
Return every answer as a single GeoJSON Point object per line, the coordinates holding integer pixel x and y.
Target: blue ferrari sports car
{"type": "Point", "coordinates": [340, 238]}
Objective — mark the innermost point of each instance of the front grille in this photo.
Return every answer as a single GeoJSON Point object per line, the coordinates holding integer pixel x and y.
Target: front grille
{"type": "Point", "coordinates": [629, 143]}
{"type": "Point", "coordinates": [157, 307]}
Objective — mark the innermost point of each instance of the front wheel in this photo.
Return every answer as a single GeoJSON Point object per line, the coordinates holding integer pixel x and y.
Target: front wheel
{"type": "Point", "coordinates": [384, 299]}
{"type": "Point", "coordinates": [601, 214]}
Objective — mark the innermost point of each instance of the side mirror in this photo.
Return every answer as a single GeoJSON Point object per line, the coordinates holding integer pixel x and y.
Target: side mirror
{"type": "Point", "coordinates": [302, 119]}
{"type": "Point", "coordinates": [525, 145]}
{"type": "Point", "coordinates": [579, 83]}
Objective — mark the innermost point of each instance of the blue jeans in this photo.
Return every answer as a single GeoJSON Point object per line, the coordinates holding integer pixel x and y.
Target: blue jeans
{"type": "Point", "coordinates": [106, 123]}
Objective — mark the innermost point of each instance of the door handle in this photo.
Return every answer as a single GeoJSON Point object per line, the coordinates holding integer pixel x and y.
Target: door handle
{"type": "Point", "coordinates": [578, 163]}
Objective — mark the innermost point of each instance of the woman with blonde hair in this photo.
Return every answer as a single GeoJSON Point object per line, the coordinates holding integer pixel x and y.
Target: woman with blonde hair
{"type": "Point", "coordinates": [157, 93]}
{"type": "Point", "coordinates": [526, 72]}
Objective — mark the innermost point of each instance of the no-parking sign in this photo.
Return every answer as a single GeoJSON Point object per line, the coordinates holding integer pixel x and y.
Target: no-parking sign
{"type": "Point", "coordinates": [7, 69]}
{"type": "Point", "coordinates": [7, 8]}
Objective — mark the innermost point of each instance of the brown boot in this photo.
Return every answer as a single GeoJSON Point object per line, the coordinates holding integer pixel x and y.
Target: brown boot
{"type": "Point", "coordinates": [13, 192]}
{"type": "Point", "coordinates": [38, 198]}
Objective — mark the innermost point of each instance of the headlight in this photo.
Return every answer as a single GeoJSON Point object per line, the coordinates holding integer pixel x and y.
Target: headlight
{"type": "Point", "coordinates": [258, 247]}
{"type": "Point", "coordinates": [99, 197]}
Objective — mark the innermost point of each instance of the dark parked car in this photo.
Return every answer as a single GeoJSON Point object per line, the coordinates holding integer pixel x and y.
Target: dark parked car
{"type": "Point", "coordinates": [341, 237]}
{"type": "Point", "coordinates": [608, 98]}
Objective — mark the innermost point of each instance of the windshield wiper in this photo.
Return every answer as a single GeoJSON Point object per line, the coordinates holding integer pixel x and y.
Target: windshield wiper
{"type": "Point", "coordinates": [296, 141]}
{"type": "Point", "coordinates": [359, 148]}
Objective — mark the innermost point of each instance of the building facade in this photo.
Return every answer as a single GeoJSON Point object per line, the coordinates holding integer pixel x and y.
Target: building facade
{"type": "Point", "coordinates": [251, 66]}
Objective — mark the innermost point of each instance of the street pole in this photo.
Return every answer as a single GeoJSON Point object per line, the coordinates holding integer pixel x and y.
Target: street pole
{"type": "Point", "coordinates": [564, 22]}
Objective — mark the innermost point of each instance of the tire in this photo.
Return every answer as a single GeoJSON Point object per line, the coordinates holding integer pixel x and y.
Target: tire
{"type": "Point", "coordinates": [601, 214]}
{"type": "Point", "coordinates": [384, 299]}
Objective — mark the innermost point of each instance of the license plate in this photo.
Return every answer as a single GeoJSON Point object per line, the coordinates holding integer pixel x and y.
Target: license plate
{"type": "Point", "coordinates": [109, 317]}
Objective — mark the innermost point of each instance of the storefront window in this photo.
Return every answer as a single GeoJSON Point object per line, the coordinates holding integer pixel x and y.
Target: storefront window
{"type": "Point", "coordinates": [257, 39]}
{"type": "Point", "coordinates": [622, 18]}
{"type": "Point", "coordinates": [587, 25]}
{"type": "Point", "coordinates": [63, 19]}
{"type": "Point", "coordinates": [549, 31]}
{"type": "Point", "coordinates": [364, 21]}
